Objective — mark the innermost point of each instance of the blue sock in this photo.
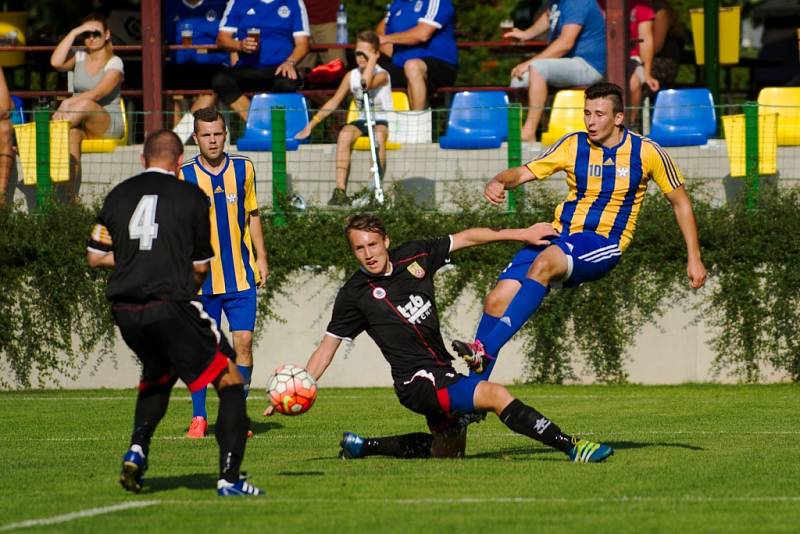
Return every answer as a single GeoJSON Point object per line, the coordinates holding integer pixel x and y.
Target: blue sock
{"type": "Point", "coordinates": [247, 373]}
{"type": "Point", "coordinates": [485, 325]}
{"type": "Point", "coordinates": [522, 306]}
{"type": "Point", "coordinates": [199, 403]}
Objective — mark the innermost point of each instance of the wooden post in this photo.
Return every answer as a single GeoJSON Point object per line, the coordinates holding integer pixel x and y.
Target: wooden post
{"type": "Point", "coordinates": [152, 64]}
{"type": "Point", "coordinates": [617, 48]}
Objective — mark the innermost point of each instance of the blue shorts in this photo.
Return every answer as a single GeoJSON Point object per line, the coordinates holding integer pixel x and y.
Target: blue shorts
{"type": "Point", "coordinates": [239, 308]}
{"type": "Point", "coordinates": [590, 257]}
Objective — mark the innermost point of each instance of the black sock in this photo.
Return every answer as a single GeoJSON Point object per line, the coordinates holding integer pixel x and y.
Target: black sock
{"type": "Point", "coordinates": [416, 445]}
{"type": "Point", "coordinates": [151, 405]}
{"type": "Point", "coordinates": [525, 420]}
{"type": "Point", "coordinates": [231, 431]}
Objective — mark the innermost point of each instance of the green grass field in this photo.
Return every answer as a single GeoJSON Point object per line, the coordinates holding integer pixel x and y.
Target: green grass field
{"type": "Point", "coordinates": [692, 458]}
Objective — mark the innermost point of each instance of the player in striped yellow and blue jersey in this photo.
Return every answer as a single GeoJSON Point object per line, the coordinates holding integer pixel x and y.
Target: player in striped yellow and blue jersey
{"type": "Point", "coordinates": [240, 258]}
{"type": "Point", "coordinates": [608, 168]}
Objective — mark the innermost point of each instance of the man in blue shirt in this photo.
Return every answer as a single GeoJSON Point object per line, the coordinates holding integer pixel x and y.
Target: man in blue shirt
{"type": "Point", "coordinates": [419, 36]}
{"type": "Point", "coordinates": [576, 54]}
{"type": "Point", "coordinates": [268, 39]}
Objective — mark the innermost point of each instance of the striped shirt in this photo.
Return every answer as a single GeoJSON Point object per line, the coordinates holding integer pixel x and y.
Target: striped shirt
{"type": "Point", "coordinates": [606, 185]}
{"type": "Point", "coordinates": [232, 196]}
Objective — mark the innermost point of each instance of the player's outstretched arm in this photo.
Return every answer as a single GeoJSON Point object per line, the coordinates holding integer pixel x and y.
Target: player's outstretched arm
{"type": "Point", "coordinates": [495, 190]}
{"type": "Point", "coordinates": [536, 234]}
{"type": "Point", "coordinates": [320, 359]}
{"type": "Point", "coordinates": [684, 215]}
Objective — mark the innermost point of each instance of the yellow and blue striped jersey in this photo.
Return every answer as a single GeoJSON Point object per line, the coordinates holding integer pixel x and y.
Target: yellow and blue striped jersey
{"type": "Point", "coordinates": [232, 195]}
{"type": "Point", "coordinates": [606, 185]}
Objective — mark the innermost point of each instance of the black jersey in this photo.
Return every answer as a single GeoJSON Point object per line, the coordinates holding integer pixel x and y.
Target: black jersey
{"type": "Point", "coordinates": [398, 310]}
{"type": "Point", "coordinates": [157, 226]}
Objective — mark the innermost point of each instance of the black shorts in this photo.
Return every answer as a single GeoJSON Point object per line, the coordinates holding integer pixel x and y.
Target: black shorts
{"type": "Point", "coordinates": [440, 73]}
{"type": "Point", "coordinates": [362, 125]}
{"type": "Point", "coordinates": [230, 83]}
{"type": "Point", "coordinates": [425, 392]}
{"type": "Point", "coordinates": [173, 340]}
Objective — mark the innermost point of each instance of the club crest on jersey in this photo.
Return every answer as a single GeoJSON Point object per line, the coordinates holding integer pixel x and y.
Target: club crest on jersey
{"type": "Point", "coordinates": [418, 6]}
{"type": "Point", "coordinates": [379, 293]}
{"type": "Point", "coordinates": [284, 12]}
{"type": "Point", "coordinates": [231, 198]}
{"type": "Point", "coordinates": [416, 270]}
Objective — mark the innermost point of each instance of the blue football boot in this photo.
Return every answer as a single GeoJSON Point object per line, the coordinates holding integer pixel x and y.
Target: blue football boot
{"type": "Point", "coordinates": [352, 446]}
{"type": "Point", "coordinates": [134, 464]}
{"type": "Point", "coordinates": [586, 451]}
{"type": "Point", "coordinates": [242, 488]}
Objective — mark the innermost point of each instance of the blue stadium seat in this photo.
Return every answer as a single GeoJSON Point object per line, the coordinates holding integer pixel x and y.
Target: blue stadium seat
{"type": "Point", "coordinates": [17, 114]}
{"type": "Point", "coordinates": [258, 132]}
{"type": "Point", "coordinates": [477, 120]}
{"type": "Point", "coordinates": [683, 117]}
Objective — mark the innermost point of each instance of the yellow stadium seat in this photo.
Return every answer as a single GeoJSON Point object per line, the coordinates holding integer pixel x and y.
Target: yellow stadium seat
{"type": "Point", "coordinates": [734, 127]}
{"type": "Point", "coordinates": [59, 151]}
{"type": "Point", "coordinates": [785, 101]}
{"type": "Point", "coordinates": [566, 115]}
{"type": "Point", "coordinates": [399, 102]}
{"type": "Point", "coordinates": [108, 145]}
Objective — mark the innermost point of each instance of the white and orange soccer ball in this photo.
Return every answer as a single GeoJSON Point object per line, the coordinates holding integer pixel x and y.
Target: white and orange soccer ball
{"type": "Point", "coordinates": [291, 390]}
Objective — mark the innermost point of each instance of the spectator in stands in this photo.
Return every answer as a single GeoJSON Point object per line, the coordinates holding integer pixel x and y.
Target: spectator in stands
{"type": "Point", "coordinates": [667, 43]}
{"type": "Point", "coordinates": [642, 53]}
{"type": "Point", "coordinates": [6, 135]}
{"type": "Point", "coordinates": [422, 47]}
{"type": "Point", "coordinates": [379, 86]}
{"type": "Point", "coordinates": [322, 20]}
{"type": "Point", "coordinates": [269, 39]}
{"type": "Point", "coordinates": [576, 54]}
{"type": "Point", "coordinates": [193, 69]}
{"type": "Point", "coordinates": [94, 108]}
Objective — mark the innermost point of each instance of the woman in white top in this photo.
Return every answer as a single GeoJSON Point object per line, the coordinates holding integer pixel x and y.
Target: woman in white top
{"type": "Point", "coordinates": [94, 108]}
{"type": "Point", "coordinates": [379, 86]}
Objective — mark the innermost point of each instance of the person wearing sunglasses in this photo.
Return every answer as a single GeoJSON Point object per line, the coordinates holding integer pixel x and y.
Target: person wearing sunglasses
{"type": "Point", "coordinates": [379, 86]}
{"type": "Point", "coordinates": [93, 110]}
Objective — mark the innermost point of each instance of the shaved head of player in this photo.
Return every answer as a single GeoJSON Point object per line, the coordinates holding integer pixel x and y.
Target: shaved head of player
{"type": "Point", "coordinates": [162, 149]}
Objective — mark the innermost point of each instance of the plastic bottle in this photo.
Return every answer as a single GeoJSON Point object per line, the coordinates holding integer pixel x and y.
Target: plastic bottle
{"type": "Point", "coordinates": [341, 25]}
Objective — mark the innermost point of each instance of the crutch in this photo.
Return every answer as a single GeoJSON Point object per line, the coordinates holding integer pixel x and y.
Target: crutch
{"type": "Point", "coordinates": [373, 150]}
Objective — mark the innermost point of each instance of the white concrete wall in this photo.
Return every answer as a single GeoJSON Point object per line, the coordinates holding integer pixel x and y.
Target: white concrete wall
{"type": "Point", "coordinates": [675, 352]}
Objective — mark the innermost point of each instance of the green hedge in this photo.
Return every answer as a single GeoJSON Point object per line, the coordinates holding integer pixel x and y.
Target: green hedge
{"type": "Point", "coordinates": [52, 310]}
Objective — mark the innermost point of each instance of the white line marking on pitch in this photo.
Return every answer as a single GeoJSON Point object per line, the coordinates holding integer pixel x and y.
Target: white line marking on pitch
{"type": "Point", "coordinates": [77, 515]}
{"type": "Point", "coordinates": [688, 499]}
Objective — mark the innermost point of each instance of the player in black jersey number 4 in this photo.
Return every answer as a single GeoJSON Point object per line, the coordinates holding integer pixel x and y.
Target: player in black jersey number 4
{"type": "Point", "coordinates": [391, 297]}
{"type": "Point", "coordinates": [153, 231]}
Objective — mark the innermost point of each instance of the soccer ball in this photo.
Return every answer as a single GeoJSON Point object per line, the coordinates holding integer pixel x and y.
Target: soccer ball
{"type": "Point", "coordinates": [291, 390]}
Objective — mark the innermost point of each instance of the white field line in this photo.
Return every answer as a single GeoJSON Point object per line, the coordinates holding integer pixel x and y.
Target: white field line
{"type": "Point", "coordinates": [274, 434]}
{"type": "Point", "coordinates": [624, 499]}
{"type": "Point", "coordinates": [77, 515]}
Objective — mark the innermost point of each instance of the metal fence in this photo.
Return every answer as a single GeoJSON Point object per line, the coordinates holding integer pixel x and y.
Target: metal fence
{"type": "Point", "coordinates": [745, 147]}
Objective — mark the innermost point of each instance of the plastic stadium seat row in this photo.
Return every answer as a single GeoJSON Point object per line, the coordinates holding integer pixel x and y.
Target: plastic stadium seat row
{"type": "Point", "coordinates": [258, 132]}
{"type": "Point", "coordinates": [566, 115]}
{"type": "Point", "coordinates": [683, 117]}
{"type": "Point", "coordinates": [477, 120]}
{"type": "Point", "coordinates": [785, 101]}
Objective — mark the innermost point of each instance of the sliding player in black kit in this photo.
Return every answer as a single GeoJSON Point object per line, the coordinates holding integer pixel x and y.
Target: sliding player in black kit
{"type": "Point", "coordinates": [153, 231]}
{"type": "Point", "coordinates": [391, 297]}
